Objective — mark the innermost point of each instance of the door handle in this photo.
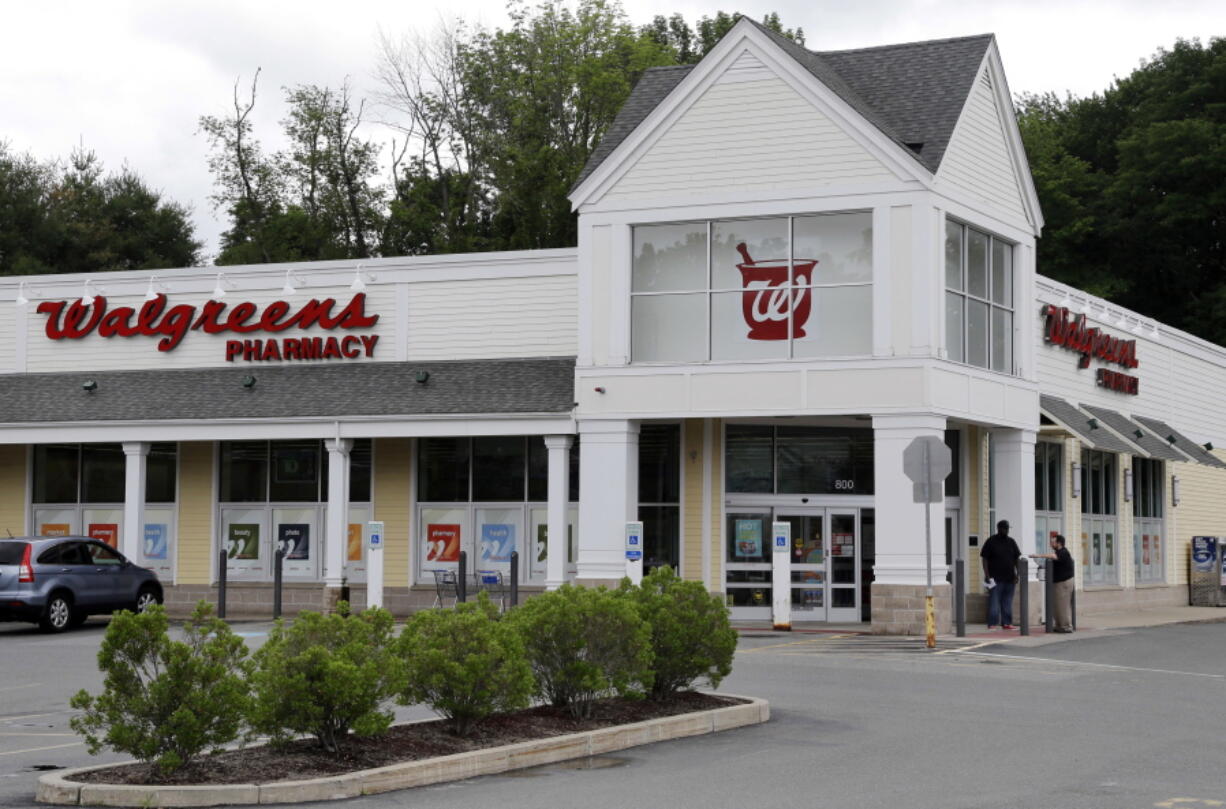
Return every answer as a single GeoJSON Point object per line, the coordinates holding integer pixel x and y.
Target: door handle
{"type": "Point", "coordinates": [65, 570]}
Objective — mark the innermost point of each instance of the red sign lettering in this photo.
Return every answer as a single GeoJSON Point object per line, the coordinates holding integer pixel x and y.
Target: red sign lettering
{"type": "Point", "coordinates": [1072, 334]}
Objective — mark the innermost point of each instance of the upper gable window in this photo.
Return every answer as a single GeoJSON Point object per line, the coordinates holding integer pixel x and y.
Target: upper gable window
{"type": "Point", "coordinates": [743, 289]}
{"type": "Point", "coordinates": [978, 298]}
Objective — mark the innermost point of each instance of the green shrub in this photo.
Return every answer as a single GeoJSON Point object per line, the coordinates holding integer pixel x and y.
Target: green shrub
{"type": "Point", "coordinates": [326, 675]}
{"type": "Point", "coordinates": [584, 644]}
{"type": "Point", "coordinates": [166, 701]}
{"type": "Point", "coordinates": [691, 638]}
{"type": "Point", "coordinates": [466, 663]}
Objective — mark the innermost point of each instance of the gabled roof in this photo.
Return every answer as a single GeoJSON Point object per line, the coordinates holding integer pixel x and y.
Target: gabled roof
{"type": "Point", "coordinates": [914, 92]}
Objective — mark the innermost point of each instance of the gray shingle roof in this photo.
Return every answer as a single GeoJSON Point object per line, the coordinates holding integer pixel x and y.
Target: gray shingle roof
{"type": "Point", "coordinates": [1079, 424]}
{"type": "Point", "coordinates": [1182, 443]}
{"type": "Point", "coordinates": [1129, 429]}
{"type": "Point", "coordinates": [912, 92]}
{"type": "Point", "coordinates": [502, 386]}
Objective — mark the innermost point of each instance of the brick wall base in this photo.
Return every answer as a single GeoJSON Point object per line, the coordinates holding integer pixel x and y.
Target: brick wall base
{"type": "Point", "coordinates": [898, 609]}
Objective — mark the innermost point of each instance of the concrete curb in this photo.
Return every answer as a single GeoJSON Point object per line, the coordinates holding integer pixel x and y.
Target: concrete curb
{"type": "Point", "coordinates": [59, 788]}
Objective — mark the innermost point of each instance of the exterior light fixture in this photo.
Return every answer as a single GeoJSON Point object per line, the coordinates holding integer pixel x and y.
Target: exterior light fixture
{"type": "Point", "coordinates": [360, 279]}
{"type": "Point", "coordinates": [1093, 424]}
{"type": "Point", "coordinates": [1066, 302]}
{"type": "Point", "coordinates": [1170, 439]}
{"type": "Point", "coordinates": [1175, 490]}
{"type": "Point", "coordinates": [290, 280]}
{"type": "Point", "coordinates": [1122, 322]}
{"type": "Point", "coordinates": [421, 377]}
{"type": "Point", "coordinates": [1085, 307]}
{"type": "Point", "coordinates": [89, 292]}
{"type": "Point", "coordinates": [1103, 317]}
{"type": "Point", "coordinates": [248, 381]}
{"type": "Point", "coordinates": [21, 299]}
{"type": "Point", "coordinates": [223, 284]}
{"type": "Point", "coordinates": [1076, 480]}
{"type": "Point", "coordinates": [1128, 485]}
{"type": "Point", "coordinates": [89, 385]}
{"type": "Point", "coordinates": [1137, 330]}
{"type": "Point", "coordinates": [1138, 433]}
{"type": "Point", "coordinates": [1208, 445]}
{"type": "Point", "coordinates": [1153, 333]}
{"type": "Point", "coordinates": [155, 286]}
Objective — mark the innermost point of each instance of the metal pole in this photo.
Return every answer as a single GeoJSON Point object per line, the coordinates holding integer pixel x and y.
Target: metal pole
{"type": "Point", "coordinates": [960, 597]}
{"type": "Point", "coordinates": [930, 617]}
{"type": "Point", "coordinates": [461, 579]}
{"type": "Point", "coordinates": [278, 560]}
{"type": "Point", "coordinates": [514, 578]}
{"type": "Point", "coordinates": [1023, 569]}
{"type": "Point", "coordinates": [1073, 605]}
{"type": "Point", "coordinates": [1049, 593]}
{"type": "Point", "coordinates": [221, 584]}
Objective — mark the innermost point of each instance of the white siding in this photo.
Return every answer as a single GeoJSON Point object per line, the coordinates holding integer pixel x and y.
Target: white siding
{"type": "Point", "coordinates": [749, 131]}
{"type": "Point", "coordinates": [504, 317]}
{"type": "Point", "coordinates": [8, 336]}
{"type": "Point", "coordinates": [977, 159]}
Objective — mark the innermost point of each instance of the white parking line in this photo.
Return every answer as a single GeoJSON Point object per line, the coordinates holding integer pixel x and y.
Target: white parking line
{"type": "Point", "coordinates": [37, 749]}
{"type": "Point", "coordinates": [1051, 660]}
{"type": "Point", "coordinates": [15, 687]}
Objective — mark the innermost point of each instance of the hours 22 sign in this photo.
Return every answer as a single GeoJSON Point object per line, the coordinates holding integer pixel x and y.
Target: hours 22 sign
{"type": "Point", "coordinates": [77, 320]}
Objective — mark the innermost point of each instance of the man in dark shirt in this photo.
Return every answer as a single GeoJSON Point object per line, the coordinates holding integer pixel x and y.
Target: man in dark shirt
{"type": "Point", "coordinates": [999, 555]}
{"type": "Point", "coordinates": [1062, 582]}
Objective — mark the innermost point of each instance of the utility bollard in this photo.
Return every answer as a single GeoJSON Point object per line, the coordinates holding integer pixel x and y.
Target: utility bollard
{"type": "Point", "coordinates": [1049, 597]}
{"type": "Point", "coordinates": [1023, 576]}
{"type": "Point", "coordinates": [960, 597]}
{"type": "Point", "coordinates": [221, 584]}
{"type": "Point", "coordinates": [461, 579]}
{"type": "Point", "coordinates": [1073, 610]}
{"type": "Point", "coordinates": [514, 578]}
{"type": "Point", "coordinates": [278, 563]}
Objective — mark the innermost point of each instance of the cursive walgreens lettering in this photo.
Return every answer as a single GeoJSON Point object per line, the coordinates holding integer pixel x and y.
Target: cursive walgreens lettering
{"type": "Point", "coordinates": [75, 321]}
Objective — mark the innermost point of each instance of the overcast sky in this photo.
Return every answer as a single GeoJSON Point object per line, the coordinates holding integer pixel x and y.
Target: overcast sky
{"type": "Point", "coordinates": [130, 79]}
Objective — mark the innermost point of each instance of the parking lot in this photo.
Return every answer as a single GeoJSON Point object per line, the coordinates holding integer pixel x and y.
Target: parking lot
{"type": "Point", "coordinates": [1127, 718]}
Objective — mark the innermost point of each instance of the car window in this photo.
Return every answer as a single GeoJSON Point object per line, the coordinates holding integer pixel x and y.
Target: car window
{"type": "Point", "coordinates": [11, 552]}
{"type": "Point", "coordinates": [74, 553]}
{"type": "Point", "coordinates": [103, 555]}
{"type": "Point", "coordinates": [53, 555]}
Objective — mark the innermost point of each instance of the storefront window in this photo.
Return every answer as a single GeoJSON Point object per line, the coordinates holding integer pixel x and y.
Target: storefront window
{"type": "Point", "coordinates": [1048, 494]}
{"type": "Point", "coordinates": [1098, 520]}
{"type": "Point", "coordinates": [660, 494]}
{"type": "Point", "coordinates": [978, 298]}
{"type": "Point", "coordinates": [775, 288]}
{"type": "Point", "coordinates": [488, 497]}
{"type": "Point", "coordinates": [799, 460]}
{"type": "Point", "coordinates": [94, 473]}
{"type": "Point", "coordinates": [1149, 495]}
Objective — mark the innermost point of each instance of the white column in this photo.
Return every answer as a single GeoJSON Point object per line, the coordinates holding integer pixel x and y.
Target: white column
{"type": "Point", "coordinates": [559, 504]}
{"type": "Point", "coordinates": [1015, 487]}
{"type": "Point", "coordinates": [135, 468]}
{"type": "Point", "coordinates": [608, 497]}
{"type": "Point", "coordinates": [336, 532]}
{"type": "Point", "coordinates": [900, 520]}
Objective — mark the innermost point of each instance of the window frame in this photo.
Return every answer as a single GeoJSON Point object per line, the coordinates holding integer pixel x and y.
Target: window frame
{"type": "Point", "coordinates": [966, 297]}
{"type": "Point", "coordinates": [1100, 503]}
{"type": "Point", "coordinates": [710, 289]}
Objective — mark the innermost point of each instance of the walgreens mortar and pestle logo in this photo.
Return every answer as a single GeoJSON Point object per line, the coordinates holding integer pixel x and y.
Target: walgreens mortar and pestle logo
{"type": "Point", "coordinates": [768, 300]}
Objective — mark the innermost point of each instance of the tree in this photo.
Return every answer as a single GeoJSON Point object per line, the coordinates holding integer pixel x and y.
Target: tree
{"type": "Point", "coordinates": [1133, 187]}
{"type": "Point", "coordinates": [73, 217]}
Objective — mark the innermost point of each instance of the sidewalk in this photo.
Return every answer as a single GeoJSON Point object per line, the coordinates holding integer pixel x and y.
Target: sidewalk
{"type": "Point", "coordinates": [1087, 625]}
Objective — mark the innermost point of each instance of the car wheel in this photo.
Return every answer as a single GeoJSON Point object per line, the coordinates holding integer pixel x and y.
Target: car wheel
{"type": "Point", "coordinates": [145, 599]}
{"type": "Point", "coordinates": [58, 614]}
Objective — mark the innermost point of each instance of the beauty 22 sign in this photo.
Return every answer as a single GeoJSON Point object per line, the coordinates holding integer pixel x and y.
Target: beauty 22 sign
{"type": "Point", "coordinates": [171, 324]}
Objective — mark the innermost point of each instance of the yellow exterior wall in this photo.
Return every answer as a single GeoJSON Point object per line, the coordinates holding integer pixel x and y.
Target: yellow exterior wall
{"type": "Point", "coordinates": [195, 532]}
{"type": "Point", "coordinates": [1199, 513]}
{"type": "Point", "coordinates": [691, 517]}
{"type": "Point", "coordinates": [13, 489]}
{"type": "Point", "coordinates": [393, 504]}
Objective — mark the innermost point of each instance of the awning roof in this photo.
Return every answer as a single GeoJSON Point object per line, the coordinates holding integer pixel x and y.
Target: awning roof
{"type": "Point", "coordinates": [1078, 423]}
{"type": "Point", "coordinates": [1188, 447]}
{"type": "Point", "coordinates": [1150, 445]}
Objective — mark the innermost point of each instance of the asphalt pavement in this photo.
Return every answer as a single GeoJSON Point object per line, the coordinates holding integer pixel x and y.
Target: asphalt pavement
{"type": "Point", "coordinates": [1114, 719]}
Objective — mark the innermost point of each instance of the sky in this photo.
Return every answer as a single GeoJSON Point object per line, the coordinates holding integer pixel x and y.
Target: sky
{"type": "Point", "coordinates": [129, 79]}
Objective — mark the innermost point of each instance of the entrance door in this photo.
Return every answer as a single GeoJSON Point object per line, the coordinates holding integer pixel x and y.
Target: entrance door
{"type": "Point", "coordinates": [825, 550]}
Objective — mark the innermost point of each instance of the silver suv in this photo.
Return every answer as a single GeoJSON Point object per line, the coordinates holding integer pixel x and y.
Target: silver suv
{"type": "Point", "coordinates": [58, 582]}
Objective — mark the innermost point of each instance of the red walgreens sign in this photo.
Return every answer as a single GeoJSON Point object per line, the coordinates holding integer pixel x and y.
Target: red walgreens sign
{"type": "Point", "coordinates": [1071, 334]}
{"type": "Point", "coordinates": [77, 320]}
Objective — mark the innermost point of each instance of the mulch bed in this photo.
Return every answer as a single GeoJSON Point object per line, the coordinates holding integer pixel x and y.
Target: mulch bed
{"type": "Point", "coordinates": [303, 759]}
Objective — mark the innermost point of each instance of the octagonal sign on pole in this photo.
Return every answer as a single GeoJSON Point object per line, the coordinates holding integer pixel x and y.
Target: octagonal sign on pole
{"type": "Point", "coordinates": [927, 462]}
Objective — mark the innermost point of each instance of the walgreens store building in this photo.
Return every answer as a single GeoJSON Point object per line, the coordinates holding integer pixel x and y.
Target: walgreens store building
{"type": "Point", "coordinates": [790, 265]}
